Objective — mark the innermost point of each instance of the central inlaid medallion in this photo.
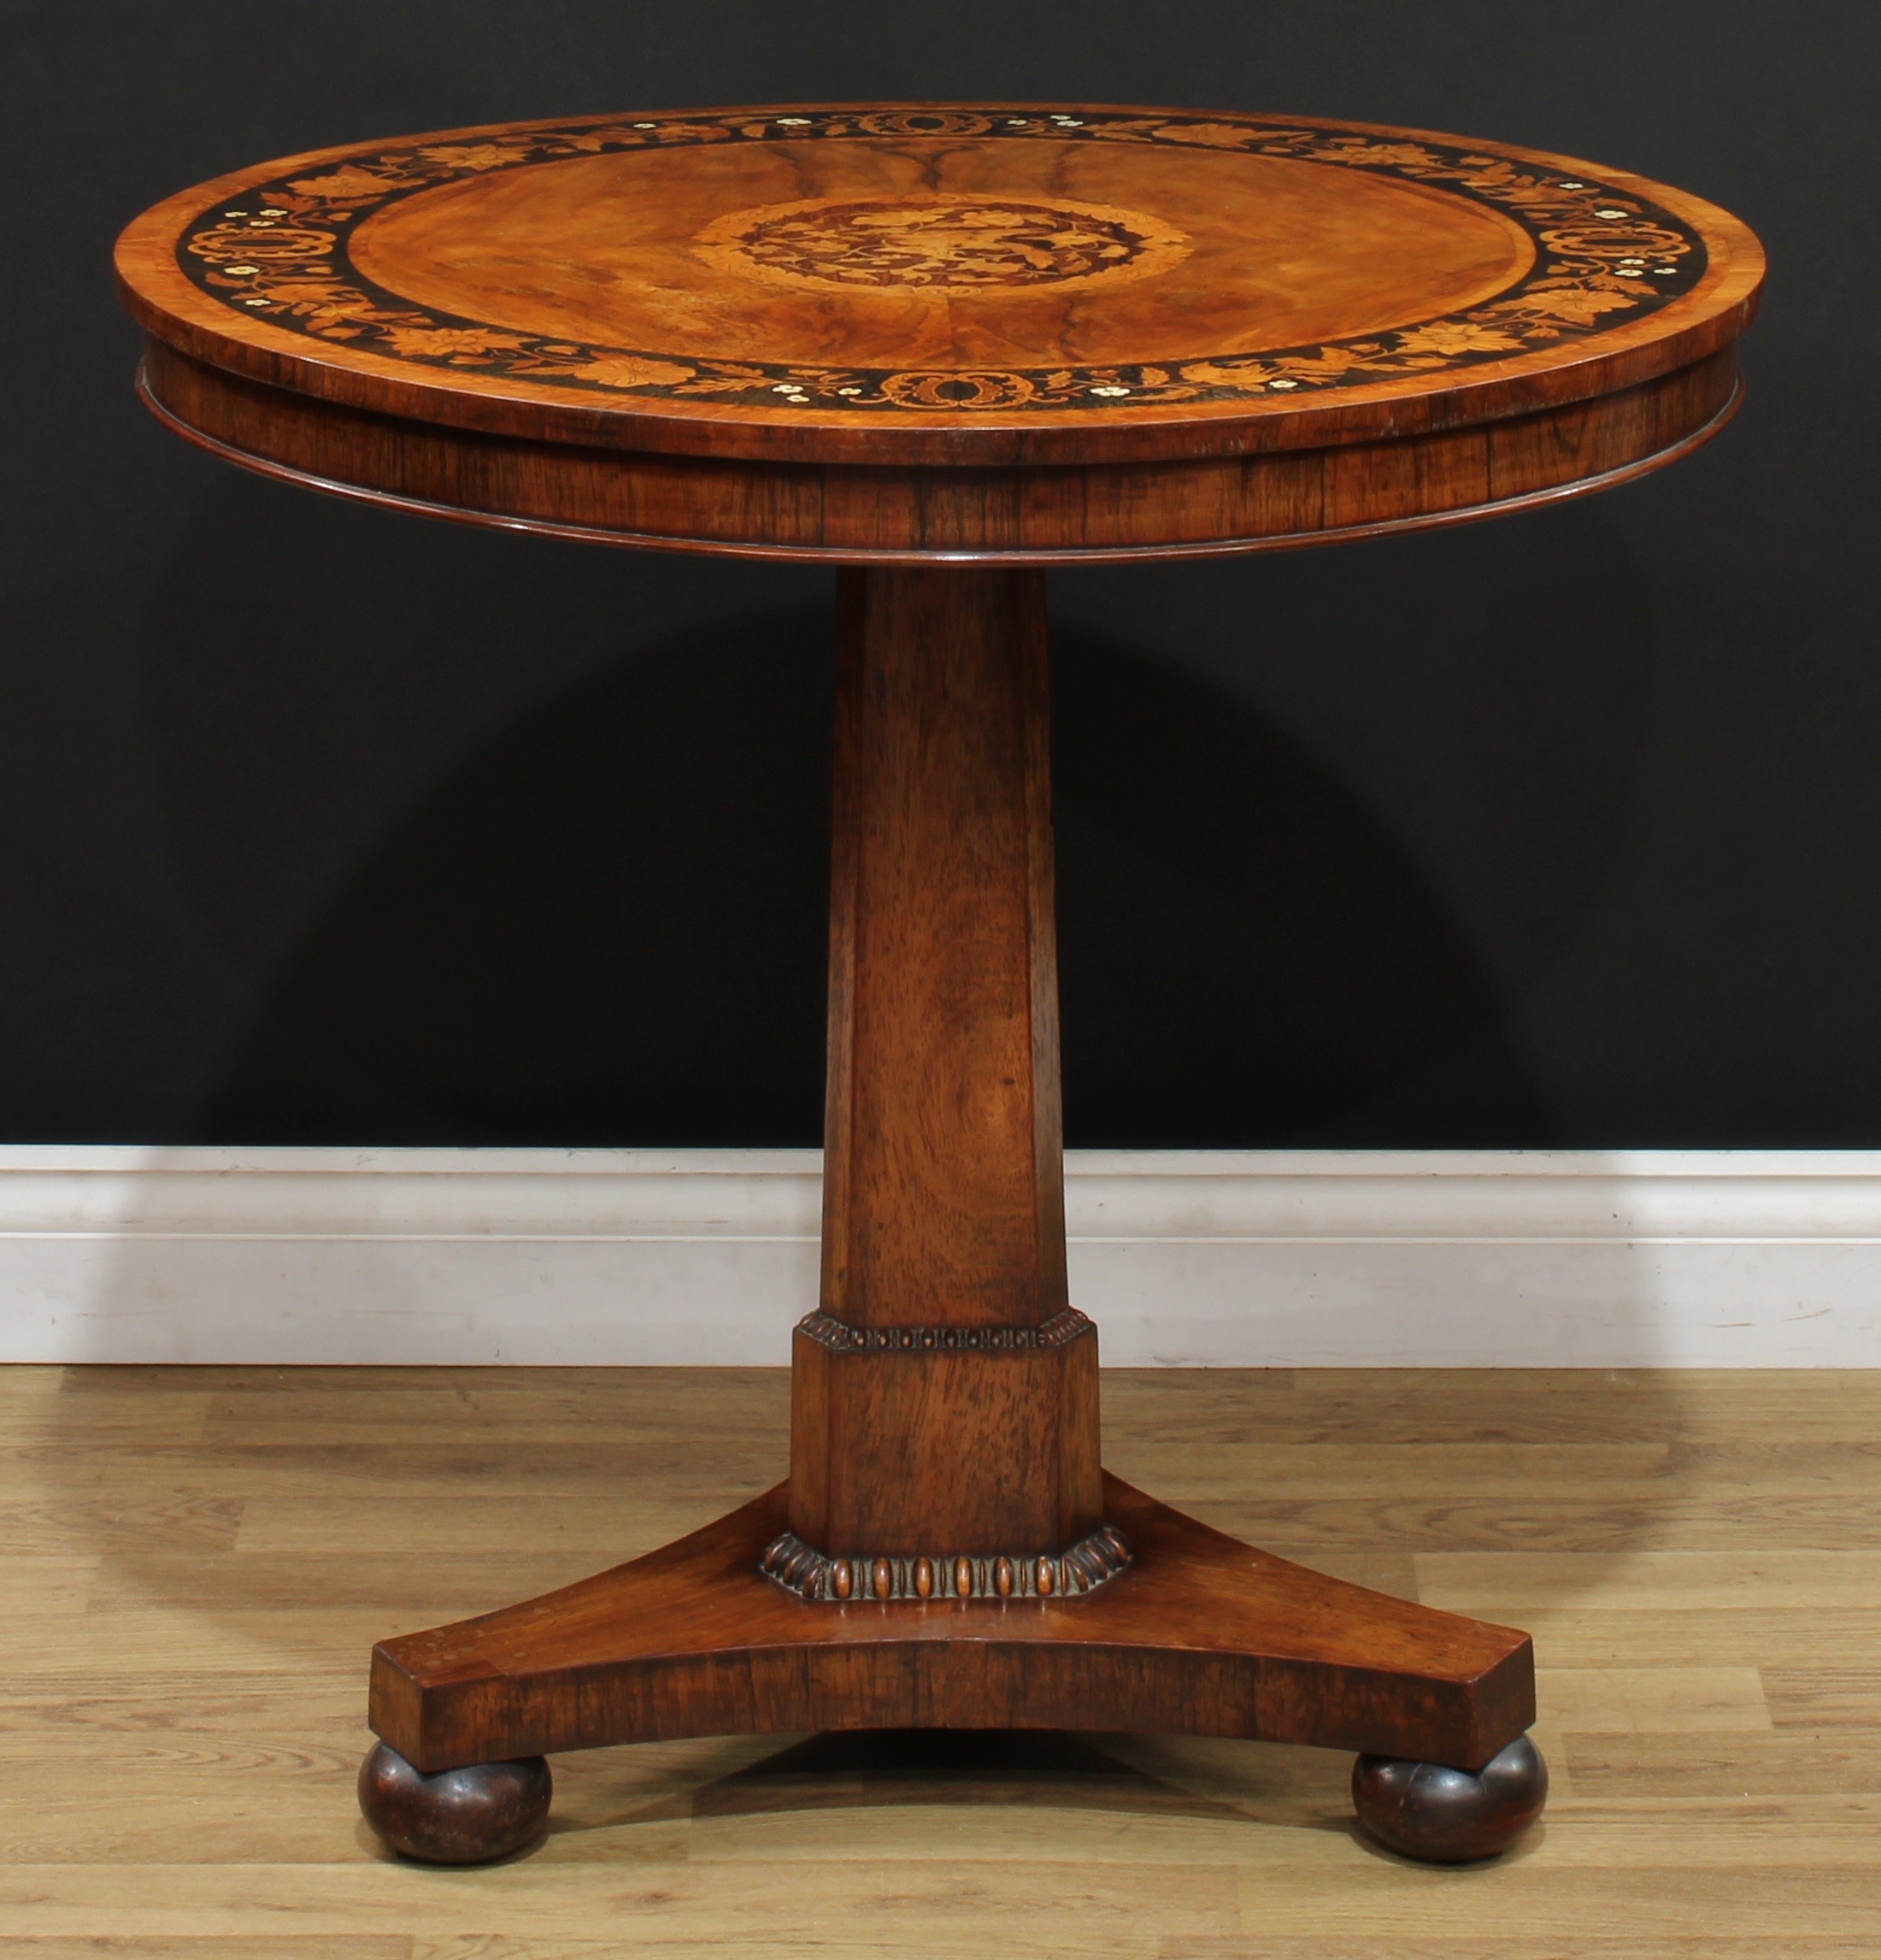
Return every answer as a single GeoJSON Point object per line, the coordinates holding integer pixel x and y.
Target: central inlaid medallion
{"type": "Point", "coordinates": [940, 244]}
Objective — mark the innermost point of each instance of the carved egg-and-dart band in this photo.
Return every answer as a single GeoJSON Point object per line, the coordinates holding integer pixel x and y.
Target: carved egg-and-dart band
{"type": "Point", "coordinates": [811, 1574]}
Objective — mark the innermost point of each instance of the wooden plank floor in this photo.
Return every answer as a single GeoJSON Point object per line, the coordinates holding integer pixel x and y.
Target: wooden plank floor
{"type": "Point", "coordinates": [194, 1562]}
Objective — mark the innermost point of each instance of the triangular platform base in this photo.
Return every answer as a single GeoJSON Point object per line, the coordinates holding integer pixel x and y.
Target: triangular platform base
{"type": "Point", "coordinates": [1199, 1635]}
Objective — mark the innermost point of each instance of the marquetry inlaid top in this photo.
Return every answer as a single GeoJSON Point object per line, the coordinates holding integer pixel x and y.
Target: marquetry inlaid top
{"type": "Point", "coordinates": [1160, 279]}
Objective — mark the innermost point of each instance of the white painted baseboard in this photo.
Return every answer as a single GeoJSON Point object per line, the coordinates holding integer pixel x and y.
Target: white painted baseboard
{"type": "Point", "coordinates": [1676, 1259]}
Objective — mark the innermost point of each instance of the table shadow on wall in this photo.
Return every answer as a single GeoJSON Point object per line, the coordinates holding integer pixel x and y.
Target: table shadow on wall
{"type": "Point", "coordinates": [608, 928]}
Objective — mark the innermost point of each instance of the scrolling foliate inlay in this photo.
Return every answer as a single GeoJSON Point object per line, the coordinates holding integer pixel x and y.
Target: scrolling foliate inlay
{"type": "Point", "coordinates": [940, 244]}
{"type": "Point", "coordinates": [1604, 257]}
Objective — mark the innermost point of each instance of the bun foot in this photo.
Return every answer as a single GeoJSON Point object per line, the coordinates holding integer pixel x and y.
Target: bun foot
{"type": "Point", "coordinates": [1449, 1816]}
{"type": "Point", "coordinates": [459, 1816]}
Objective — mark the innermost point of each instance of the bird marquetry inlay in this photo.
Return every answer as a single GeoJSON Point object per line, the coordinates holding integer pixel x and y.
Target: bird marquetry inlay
{"type": "Point", "coordinates": [940, 244]}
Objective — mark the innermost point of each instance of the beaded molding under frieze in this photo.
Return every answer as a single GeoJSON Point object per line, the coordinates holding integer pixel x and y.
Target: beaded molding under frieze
{"type": "Point", "coordinates": [814, 1576]}
{"type": "Point", "coordinates": [840, 1338]}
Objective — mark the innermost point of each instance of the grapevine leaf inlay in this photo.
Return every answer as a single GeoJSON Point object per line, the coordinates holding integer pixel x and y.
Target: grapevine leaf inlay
{"type": "Point", "coordinates": [1602, 257]}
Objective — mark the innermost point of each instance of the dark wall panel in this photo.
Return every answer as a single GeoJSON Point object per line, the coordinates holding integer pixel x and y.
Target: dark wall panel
{"type": "Point", "coordinates": [318, 824]}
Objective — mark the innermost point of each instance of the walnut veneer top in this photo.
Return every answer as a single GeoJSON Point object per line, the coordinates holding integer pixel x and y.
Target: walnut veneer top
{"type": "Point", "coordinates": [940, 283]}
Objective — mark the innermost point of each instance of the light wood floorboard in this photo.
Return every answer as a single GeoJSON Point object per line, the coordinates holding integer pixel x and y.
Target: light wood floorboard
{"type": "Point", "coordinates": [194, 1562]}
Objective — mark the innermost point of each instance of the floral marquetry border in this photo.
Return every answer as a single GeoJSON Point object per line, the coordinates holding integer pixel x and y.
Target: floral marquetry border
{"type": "Point", "coordinates": [279, 250]}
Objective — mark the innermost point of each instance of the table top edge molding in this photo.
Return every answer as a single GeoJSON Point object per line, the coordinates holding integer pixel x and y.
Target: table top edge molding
{"type": "Point", "coordinates": [928, 554]}
{"type": "Point", "coordinates": [1477, 381]}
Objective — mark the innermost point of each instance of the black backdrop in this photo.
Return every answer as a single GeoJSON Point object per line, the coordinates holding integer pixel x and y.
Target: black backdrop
{"type": "Point", "coordinates": [319, 824]}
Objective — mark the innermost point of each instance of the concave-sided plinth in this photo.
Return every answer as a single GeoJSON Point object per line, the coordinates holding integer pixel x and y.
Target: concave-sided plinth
{"type": "Point", "coordinates": [946, 1552]}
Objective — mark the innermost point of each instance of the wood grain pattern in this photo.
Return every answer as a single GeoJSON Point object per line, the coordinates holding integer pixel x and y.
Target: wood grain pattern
{"type": "Point", "coordinates": [177, 1744]}
{"type": "Point", "coordinates": [943, 1185]}
{"type": "Point", "coordinates": [997, 242]}
{"type": "Point", "coordinates": [649, 276]}
{"type": "Point", "coordinates": [1051, 512]}
{"type": "Point", "coordinates": [1198, 1635]}
{"type": "Point", "coordinates": [993, 332]}
{"type": "Point", "coordinates": [943, 1212]}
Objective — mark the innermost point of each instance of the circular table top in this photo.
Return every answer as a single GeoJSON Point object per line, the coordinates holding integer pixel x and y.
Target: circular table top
{"type": "Point", "coordinates": [941, 284]}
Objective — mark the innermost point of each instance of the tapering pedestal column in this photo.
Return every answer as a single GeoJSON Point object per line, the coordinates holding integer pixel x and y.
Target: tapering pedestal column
{"type": "Point", "coordinates": [944, 1399]}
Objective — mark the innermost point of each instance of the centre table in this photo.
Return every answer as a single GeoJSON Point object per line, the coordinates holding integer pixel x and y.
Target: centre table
{"type": "Point", "coordinates": [944, 346]}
